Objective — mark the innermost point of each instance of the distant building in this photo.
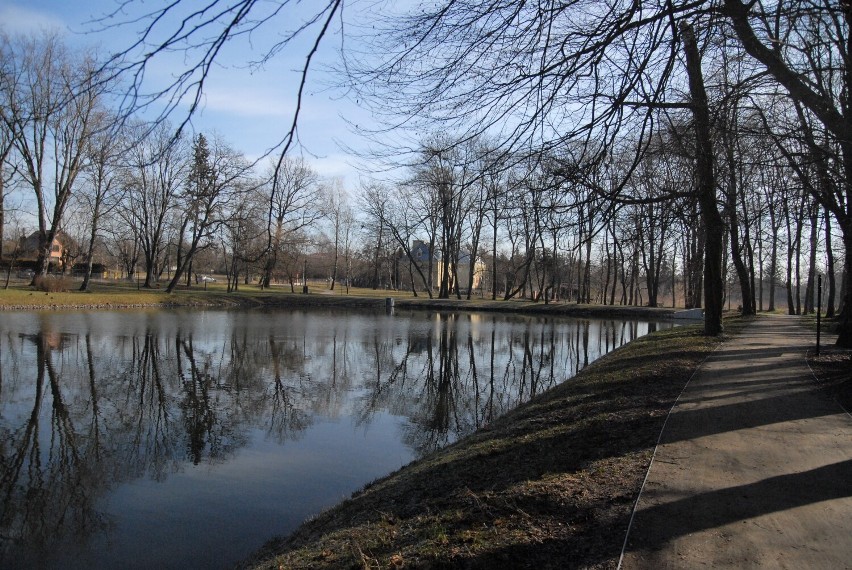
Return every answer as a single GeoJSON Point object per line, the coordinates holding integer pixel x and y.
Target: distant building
{"type": "Point", "coordinates": [465, 267]}
{"type": "Point", "coordinates": [29, 249]}
{"type": "Point", "coordinates": [420, 253]}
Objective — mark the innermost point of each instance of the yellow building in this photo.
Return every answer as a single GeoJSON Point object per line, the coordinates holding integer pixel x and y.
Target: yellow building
{"type": "Point", "coordinates": [464, 269]}
{"type": "Point", "coordinates": [29, 249]}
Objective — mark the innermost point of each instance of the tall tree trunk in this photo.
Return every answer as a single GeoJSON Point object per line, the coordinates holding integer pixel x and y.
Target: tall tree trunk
{"type": "Point", "coordinates": [337, 252]}
{"type": "Point", "coordinates": [798, 267]}
{"type": "Point", "coordinates": [712, 222]}
{"type": "Point", "coordinates": [791, 304]}
{"type": "Point", "coordinates": [674, 274]}
{"type": "Point", "coordinates": [844, 338]}
{"type": "Point", "coordinates": [810, 287]}
{"type": "Point", "coordinates": [773, 268]}
{"type": "Point", "coordinates": [616, 256]}
{"type": "Point", "coordinates": [794, 232]}
{"type": "Point", "coordinates": [739, 264]}
{"type": "Point", "coordinates": [494, 255]}
{"type": "Point", "coordinates": [2, 209]}
{"type": "Point", "coordinates": [89, 251]}
{"type": "Point", "coordinates": [608, 269]}
{"type": "Point", "coordinates": [587, 273]}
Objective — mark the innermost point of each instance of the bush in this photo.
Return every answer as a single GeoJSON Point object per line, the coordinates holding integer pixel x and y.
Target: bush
{"type": "Point", "coordinates": [52, 283]}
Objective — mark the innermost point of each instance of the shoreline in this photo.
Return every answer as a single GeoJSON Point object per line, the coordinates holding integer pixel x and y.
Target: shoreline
{"type": "Point", "coordinates": [551, 484]}
{"type": "Point", "coordinates": [249, 300]}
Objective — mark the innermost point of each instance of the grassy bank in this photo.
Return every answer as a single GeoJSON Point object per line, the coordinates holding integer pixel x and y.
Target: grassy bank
{"type": "Point", "coordinates": [118, 294]}
{"type": "Point", "coordinates": [123, 294]}
{"type": "Point", "coordinates": [550, 485]}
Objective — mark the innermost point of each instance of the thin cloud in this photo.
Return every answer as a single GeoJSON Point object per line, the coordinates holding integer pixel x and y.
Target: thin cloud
{"type": "Point", "coordinates": [17, 19]}
{"type": "Point", "coordinates": [247, 103]}
{"type": "Point", "coordinates": [334, 165]}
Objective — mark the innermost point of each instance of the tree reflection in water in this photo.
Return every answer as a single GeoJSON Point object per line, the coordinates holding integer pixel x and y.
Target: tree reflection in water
{"type": "Point", "coordinates": [465, 370]}
{"type": "Point", "coordinates": [55, 455]}
{"type": "Point", "coordinates": [88, 403]}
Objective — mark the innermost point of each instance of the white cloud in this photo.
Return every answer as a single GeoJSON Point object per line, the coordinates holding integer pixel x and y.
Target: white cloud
{"type": "Point", "coordinates": [247, 102]}
{"type": "Point", "coordinates": [335, 165]}
{"type": "Point", "coordinates": [17, 19]}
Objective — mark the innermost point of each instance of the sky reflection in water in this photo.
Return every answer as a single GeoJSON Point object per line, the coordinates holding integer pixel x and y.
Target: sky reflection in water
{"type": "Point", "coordinates": [186, 439]}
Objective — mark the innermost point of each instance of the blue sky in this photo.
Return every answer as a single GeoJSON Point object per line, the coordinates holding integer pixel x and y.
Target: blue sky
{"type": "Point", "coordinates": [251, 109]}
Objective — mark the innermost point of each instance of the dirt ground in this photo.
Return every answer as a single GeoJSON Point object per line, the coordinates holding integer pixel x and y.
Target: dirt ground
{"type": "Point", "coordinates": [833, 370]}
{"type": "Point", "coordinates": [755, 461]}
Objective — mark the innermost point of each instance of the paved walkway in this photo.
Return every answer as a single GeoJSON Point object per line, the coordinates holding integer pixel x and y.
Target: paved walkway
{"type": "Point", "coordinates": [754, 468]}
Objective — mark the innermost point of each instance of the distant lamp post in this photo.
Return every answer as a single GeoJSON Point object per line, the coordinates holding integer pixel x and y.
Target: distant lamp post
{"type": "Point", "coordinates": [305, 278]}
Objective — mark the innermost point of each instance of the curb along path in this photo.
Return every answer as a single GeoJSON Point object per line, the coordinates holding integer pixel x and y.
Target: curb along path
{"type": "Point", "coordinates": [754, 466]}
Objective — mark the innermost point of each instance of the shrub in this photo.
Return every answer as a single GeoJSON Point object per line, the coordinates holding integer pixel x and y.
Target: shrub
{"type": "Point", "coordinates": [52, 283]}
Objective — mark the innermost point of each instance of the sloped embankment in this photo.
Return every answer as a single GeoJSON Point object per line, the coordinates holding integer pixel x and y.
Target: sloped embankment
{"type": "Point", "coordinates": [550, 485]}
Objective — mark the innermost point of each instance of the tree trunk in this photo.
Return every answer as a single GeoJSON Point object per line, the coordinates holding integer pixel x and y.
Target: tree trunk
{"type": "Point", "coordinates": [773, 268]}
{"type": "Point", "coordinates": [674, 274]}
{"type": "Point", "coordinates": [2, 207]}
{"type": "Point", "coordinates": [92, 236]}
{"type": "Point", "coordinates": [608, 269]}
{"type": "Point", "coordinates": [798, 267]}
{"type": "Point", "coordinates": [337, 251]}
{"type": "Point", "coordinates": [739, 264]}
{"type": "Point", "coordinates": [712, 221]}
{"type": "Point", "coordinates": [794, 231]}
{"type": "Point", "coordinates": [810, 287]}
{"type": "Point", "coordinates": [844, 337]}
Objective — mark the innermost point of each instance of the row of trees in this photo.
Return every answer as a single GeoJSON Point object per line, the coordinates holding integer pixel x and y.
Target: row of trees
{"type": "Point", "coordinates": [751, 97]}
{"type": "Point", "coordinates": [140, 194]}
{"type": "Point", "coordinates": [545, 231]}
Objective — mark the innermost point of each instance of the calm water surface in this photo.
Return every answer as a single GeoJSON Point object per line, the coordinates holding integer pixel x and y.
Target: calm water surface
{"type": "Point", "coordinates": [174, 439]}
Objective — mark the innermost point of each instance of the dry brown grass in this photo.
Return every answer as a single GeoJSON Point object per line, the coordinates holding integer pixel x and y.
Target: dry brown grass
{"type": "Point", "coordinates": [52, 283]}
{"type": "Point", "coordinates": [833, 370]}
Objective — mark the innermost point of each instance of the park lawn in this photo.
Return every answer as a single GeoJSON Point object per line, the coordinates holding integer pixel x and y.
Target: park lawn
{"type": "Point", "coordinates": [20, 295]}
{"type": "Point", "coordinates": [124, 294]}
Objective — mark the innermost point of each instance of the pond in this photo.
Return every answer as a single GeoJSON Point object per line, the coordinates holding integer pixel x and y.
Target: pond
{"type": "Point", "coordinates": [174, 439]}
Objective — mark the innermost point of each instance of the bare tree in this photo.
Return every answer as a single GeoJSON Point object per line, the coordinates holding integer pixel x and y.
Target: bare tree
{"type": "Point", "coordinates": [657, 177]}
{"type": "Point", "coordinates": [447, 173]}
{"type": "Point", "coordinates": [339, 214]}
{"type": "Point", "coordinates": [4, 154]}
{"type": "Point", "coordinates": [347, 237]}
{"type": "Point", "coordinates": [375, 205]}
{"type": "Point", "coordinates": [245, 238]}
{"type": "Point", "coordinates": [211, 187]}
{"type": "Point", "coordinates": [153, 171]}
{"type": "Point", "coordinates": [6, 141]}
{"type": "Point", "coordinates": [295, 204]}
{"type": "Point", "coordinates": [806, 49]}
{"type": "Point", "coordinates": [50, 100]}
{"type": "Point", "coordinates": [102, 193]}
